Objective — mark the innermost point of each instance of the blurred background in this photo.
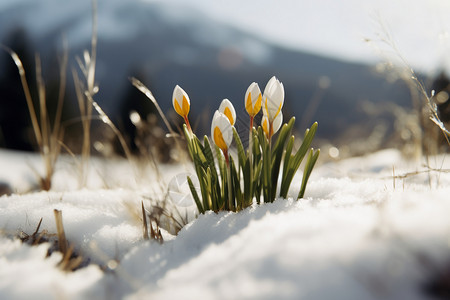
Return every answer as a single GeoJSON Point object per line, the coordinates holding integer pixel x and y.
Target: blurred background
{"type": "Point", "coordinates": [341, 63]}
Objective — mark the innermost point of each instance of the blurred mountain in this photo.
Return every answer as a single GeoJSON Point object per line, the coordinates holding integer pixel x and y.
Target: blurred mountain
{"type": "Point", "coordinates": [163, 44]}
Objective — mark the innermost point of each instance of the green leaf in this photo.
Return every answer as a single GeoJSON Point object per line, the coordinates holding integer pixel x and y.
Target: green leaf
{"type": "Point", "coordinates": [277, 154]}
{"type": "Point", "coordinates": [309, 136]}
{"type": "Point", "coordinates": [267, 172]}
{"type": "Point", "coordinates": [195, 196]}
{"type": "Point", "coordinates": [257, 184]}
{"type": "Point", "coordinates": [296, 160]}
{"type": "Point", "coordinates": [236, 186]}
{"type": "Point", "coordinates": [209, 155]}
{"type": "Point", "coordinates": [210, 188]}
{"type": "Point", "coordinates": [248, 184]}
{"type": "Point", "coordinates": [220, 162]}
{"type": "Point", "coordinates": [202, 178]}
{"type": "Point", "coordinates": [310, 162]}
{"type": "Point", "coordinates": [240, 148]}
{"type": "Point", "coordinates": [256, 147]}
{"type": "Point", "coordinates": [285, 180]}
{"type": "Point", "coordinates": [285, 131]}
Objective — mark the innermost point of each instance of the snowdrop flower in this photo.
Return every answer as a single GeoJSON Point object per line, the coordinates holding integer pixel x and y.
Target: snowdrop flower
{"type": "Point", "coordinates": [273, 99]}
{"type": "Point", "coordinates": [275, 125]}
{"type": "Point", "coordinates": [181, 104]}
{"type": "Point", "coordinates": [253, 99]}
{"type": "Point", "coordinates": [221, 132]}
{"type": "Point", "coordinates": [226, 107]}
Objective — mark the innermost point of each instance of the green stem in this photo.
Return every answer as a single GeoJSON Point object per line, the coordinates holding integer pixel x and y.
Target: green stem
{"type": "Point", "coordinates": [250, 157]}
{"type": "Point", "coordinates": [269, 156]}
{"type": "Point", "coordinates": [186, 120]}
{"type": "Point", "coordinates": [230, 196]}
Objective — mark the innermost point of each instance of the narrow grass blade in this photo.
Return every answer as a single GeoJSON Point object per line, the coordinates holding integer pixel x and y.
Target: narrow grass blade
{"type": "Point", "coordinates": [240, 148]}
{"type": "Point", "coordinates": [236, 186]}
{"type": "Point", "coordinates": [296, 160]}
{"type": "Point", "coordinates": [195, 196]}
{"type": "Point", "coordinates": [286, 181]}
{"type": "Point", "coordinates": [311, 161]}
{"type": "Point", "coordinates": [208, 154]}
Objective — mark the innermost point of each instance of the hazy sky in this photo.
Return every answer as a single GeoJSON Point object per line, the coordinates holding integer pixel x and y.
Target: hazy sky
{"type": "Point", "coordinates": [340, 28]}
{"type": "Point", "coordinates": [337, 28]}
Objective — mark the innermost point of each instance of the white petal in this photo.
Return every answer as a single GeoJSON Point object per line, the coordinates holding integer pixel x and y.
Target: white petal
{"type": "Point", "coordinates": [269, 84]}
{"type": "Point", "coordinates": [277, 122]}
{"type": "Point", "coordinates": [221, 121]}
{"type": "Point", "coordinates": [273, 98]}
{"type": "Point", "coordinates": [178, 94]}
{"type": "Point", "coordinates": [213, 124]}
{"type": "Point", "coordinates": [255, 91]}
{"type": "Point", "coordinates": [227, 104]}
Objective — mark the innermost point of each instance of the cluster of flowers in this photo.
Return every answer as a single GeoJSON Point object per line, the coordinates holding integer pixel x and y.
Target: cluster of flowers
{"type": "Point", "coordinates": [225, 117]}
{"type": "Point", "coordinates": [227, 187]}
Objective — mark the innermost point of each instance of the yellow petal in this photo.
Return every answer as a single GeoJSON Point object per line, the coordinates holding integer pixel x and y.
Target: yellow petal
{"type": "Point", "coordinates": [186, 106]}
{"type": "Point", "coordinates": [278, 111]}
{"type": "Point", "coordinates": [226, 107]}
{"type": "Point", "coordinates": [258, 104]}
{"type": "Point", "coordinates": [229, 115]}
{"type": "Point", "coordinates": [265, 126]}
{"type": "Point", "coordinates": [218, 139]}
{"type": "Point", "coordinates": [178, 108]}
{"type": "Point", "coordinates": [248, 105]}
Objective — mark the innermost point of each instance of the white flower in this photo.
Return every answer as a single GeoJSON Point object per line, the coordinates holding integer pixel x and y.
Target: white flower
{"type": "Point", "coordinates": [253, 99]}
{"type": "Point", "coordinates": [180, 101]}
{"type": "Point", "coordinates": [277, 122]}
{"type": "Point", "coordinates": [221, 132]}
{"type": "Point", "coordinates": [226, 107]}
{"type": "Point", "coordinates": [273, 98]}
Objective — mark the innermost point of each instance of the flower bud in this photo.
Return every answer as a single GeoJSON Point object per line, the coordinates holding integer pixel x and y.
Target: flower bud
{"type": "Point", "coordinates": [273, 98]}
{"type": "Point", "coordinates": [221, 131]}
{"type": "Point", "coordinates": [253, 99]}
{"type": "Point", "coordinates": [180, 101]}
{"type": "Point", "coordinates": [226, 107]}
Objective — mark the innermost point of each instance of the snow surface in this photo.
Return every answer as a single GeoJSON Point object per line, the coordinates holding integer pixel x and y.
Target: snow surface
{"type": "Point", "coordinates": [358, 234]}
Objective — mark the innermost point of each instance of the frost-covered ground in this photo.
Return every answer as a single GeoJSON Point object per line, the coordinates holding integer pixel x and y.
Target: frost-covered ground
{"type": "Point", "coordinates": [358, 234]}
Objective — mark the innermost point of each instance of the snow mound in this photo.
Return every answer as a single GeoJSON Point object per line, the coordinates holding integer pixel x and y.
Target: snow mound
{"type": "Point", "coordinates": [360, 233]}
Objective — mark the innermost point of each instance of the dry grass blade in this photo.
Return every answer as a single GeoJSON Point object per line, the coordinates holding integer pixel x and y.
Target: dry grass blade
{"type": "Point", "coordinates": [386, 37]}
{"type": "Point", "coordinates": [37, 228]}
{"type": "Point", "coordinates": [104, 117]}
{"type": "Point", "coordinates": [86, 116]}
{"type": "Point", "coordinates": [47, 139]}
{"type": "Point", "coordinates": [26, 89]}
{"type": "Point", "coordinates": [144, 222]}
{"type": "Point", "coordinates": [36, 238]}
{"type": "Point", "coordinates": [84, 93]}
{"type": "Point", "coordinates": [62, 88]}
{"type": "Point", "coordinates": [62, 241]}
{"type": "Point", "coordinates": [142, 88]}
{"type": "Point", "coordinates": [71, 260]}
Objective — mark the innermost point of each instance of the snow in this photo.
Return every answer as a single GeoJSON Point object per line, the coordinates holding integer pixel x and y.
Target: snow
{"type": "Point", "coordinates": [358, 234]}
{"type": "Point", "coordinates": [369, 227]}
{"type": "Point", "coordinates": [46, 280]}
